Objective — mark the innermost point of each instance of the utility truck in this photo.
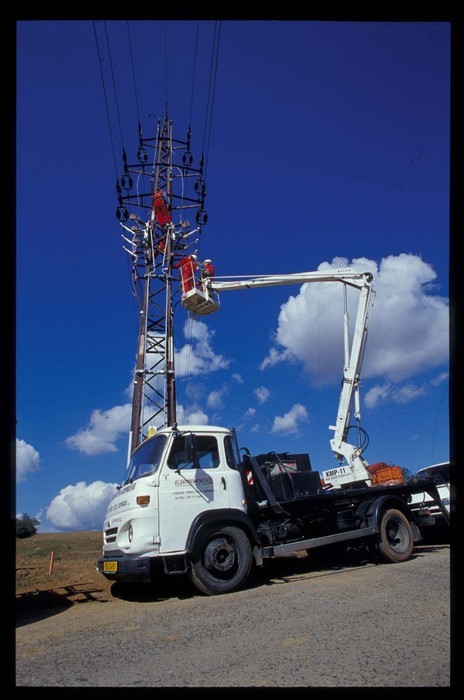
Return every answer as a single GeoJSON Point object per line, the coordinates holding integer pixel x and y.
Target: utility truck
{"type": "Point", "coordinates": [194, 502]}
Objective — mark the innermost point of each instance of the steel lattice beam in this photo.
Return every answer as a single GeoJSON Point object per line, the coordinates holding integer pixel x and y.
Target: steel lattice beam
{"type": "Point", "coordinates": [154, 398]}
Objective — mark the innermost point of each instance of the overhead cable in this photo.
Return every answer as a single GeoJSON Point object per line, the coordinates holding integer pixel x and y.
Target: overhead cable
{"type": "Point", "coordinates": [114, 87]}
{"type": "Point", "coordinates": [106, 99]}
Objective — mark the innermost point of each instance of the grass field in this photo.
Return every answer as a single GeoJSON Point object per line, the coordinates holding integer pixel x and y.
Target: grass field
{"type": "Point", "coordinates": [60, 566]}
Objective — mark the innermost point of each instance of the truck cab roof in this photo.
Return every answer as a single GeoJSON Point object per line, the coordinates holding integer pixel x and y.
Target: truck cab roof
{"type": "Point", "coordinates": [193, 428]}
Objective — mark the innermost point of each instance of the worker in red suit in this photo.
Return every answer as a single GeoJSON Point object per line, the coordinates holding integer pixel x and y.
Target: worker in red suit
{"type": "Point", "coordinates": [163, 217]}
{"type": "Point", "coordinates": [207, 272]}
{"type": "Point", "coordinates": [161, 246]}
{"type": "Point", "coordinates": [187, 266]}
{"type": "Point", "coordinates": [208, 269]}
{"type": "Point", "coordinates": [161, 207]}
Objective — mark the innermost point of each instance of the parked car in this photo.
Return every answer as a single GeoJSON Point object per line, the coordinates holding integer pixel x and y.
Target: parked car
{"type": "Point", "coordinates": [440, 475]}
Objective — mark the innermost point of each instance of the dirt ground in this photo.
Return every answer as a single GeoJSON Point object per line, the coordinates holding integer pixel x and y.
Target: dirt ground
{"type": "Point", "coordinates": [59, 569]}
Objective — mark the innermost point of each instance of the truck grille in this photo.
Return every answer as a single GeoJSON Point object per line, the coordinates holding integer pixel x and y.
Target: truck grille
{"type": "Point", "coordinates": [110, 535]}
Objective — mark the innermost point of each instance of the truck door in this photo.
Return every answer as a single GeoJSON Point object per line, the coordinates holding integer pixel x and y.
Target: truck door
{"type": "Point", "coordinates": [188, 486]}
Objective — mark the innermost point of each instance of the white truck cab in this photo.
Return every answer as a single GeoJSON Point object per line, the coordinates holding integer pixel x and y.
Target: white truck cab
{"type": "Point", "coordinates": [164, 492]}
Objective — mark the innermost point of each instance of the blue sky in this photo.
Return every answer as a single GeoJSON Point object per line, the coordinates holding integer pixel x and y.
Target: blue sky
{"type": "Point", "coordinates": [329, 145]}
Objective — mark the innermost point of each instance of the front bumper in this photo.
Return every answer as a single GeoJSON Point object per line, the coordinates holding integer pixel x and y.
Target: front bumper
{"type": "Point", "coordinates": [123, 568]}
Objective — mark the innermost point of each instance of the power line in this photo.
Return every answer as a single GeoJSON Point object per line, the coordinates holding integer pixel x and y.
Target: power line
{"type": "Point", "coordinates": [166, 66]}
{"type": "Point", "coordinates": [114, 87]}
{"type": "Point", "coordinates": [106, 99]}
{"type": "Point", "coordinates": [133, 72]}
{"type": "Point", "coordinates": [211, 88]}
{"type": "Point", "coordinates": [193, 76]}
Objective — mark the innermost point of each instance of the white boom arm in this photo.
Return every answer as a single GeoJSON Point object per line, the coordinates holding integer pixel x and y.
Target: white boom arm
{"type": "Point", "coordinates": [343, 450]}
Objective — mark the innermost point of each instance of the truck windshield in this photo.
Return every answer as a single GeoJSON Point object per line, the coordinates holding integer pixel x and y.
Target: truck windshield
{"type": "Point", "coordinates": [439, 473]}
{"type": "Point", "coordinates": [146, 459]}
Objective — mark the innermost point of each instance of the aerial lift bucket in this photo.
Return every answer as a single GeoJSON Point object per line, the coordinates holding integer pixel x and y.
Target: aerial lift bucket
{"type": "Point", "coordinates": [200, 302]}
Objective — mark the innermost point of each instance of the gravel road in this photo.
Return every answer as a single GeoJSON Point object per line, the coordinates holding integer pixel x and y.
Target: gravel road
{"type": "Point", "coordinates": [299, 623]}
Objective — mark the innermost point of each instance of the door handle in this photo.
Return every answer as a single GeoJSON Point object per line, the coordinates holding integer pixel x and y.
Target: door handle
{"type": "Point", "coordinates": [223, 482]}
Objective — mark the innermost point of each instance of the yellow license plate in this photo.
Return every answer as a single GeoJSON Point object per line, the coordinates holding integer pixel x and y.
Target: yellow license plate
{"type": "Point", "coordinates": [110, 567]}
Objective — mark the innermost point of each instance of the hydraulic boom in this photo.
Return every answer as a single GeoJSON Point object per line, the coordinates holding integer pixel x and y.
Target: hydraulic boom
{"type": "Point", "coordinates": [349, 404]}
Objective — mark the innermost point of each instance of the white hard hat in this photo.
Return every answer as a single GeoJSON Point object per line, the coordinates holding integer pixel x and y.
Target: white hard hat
{"type": "Point", "coordinates": [208, 260]}
{"type": "Point", "coordinates": [194, 257]}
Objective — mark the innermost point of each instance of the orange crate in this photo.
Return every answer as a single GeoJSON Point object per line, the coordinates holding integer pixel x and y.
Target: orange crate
{"type": "Point", "coordinates": [385, 474]}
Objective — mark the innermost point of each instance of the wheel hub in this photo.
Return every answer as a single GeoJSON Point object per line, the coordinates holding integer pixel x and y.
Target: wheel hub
{"type": "Point", "coordinates": [219, 555]}
{"type": "Point", "coordinates": [395, 536]}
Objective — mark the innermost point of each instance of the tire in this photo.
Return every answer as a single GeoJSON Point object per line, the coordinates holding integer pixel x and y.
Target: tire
{"type": "Point", "coordinates": [222, 560]}
{"type": "Point", "coordinates": [396, 538]}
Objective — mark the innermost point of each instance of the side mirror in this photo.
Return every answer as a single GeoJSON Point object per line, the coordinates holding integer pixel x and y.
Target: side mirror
{"type": "Point", "coordinates": [191, 448]}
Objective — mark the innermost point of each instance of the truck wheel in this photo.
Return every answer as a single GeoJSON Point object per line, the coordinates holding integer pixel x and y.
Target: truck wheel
{"type": "Point", "coordinates": [396, 538]}
{"type": "Point", "coordinates": [222, 560]}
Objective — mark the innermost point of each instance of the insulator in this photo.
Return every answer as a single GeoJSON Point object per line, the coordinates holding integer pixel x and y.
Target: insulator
{"type": "Point", "coordinates": [120, 201]}
{"type": "Point", "coordinates": [142, 155]}
{"type": "Point", "coordinates": [201, 217]}
{"type": "Point", "coordinates": [199, 186]}
{"type": "Point", "coordinates": [202, 162]}
{"type": "Point", "coordinates": [122, 213]}
{"type": "Point", "coordinates": [126, 182]}
{"type": "Point", "coordinates": [187, 158]}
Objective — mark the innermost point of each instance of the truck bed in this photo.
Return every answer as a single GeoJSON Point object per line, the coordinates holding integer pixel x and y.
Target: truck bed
{"type": "Point", "coordinates": [298, 493]}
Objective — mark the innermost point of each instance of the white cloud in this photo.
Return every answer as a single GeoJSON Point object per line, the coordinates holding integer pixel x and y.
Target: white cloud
{"type": "Point", "coordinates": [289, 423]}
{"type": "Point", "coordinates": [439, 379]}
{"type": "Point", "coordinates": [27, 460]}
{"type": "Point", "coordinates": [215, 398]}
{"type": "Point", "coordinates": [408, 392]}
{"type": "Point", "coordinates": [397, 393]}
{"type": "Point", "coordinates": [237, 377]}
{"type": "Point", "coordinates": [193, 390]}
{"type": "Point", "coordinates": [262, 393]}
{"type": "Point", "coordinates": [274, 357]}
{"type": "Point", "coordinates": [81, 507]}
{"type": "Point", "coordinates": [105, 427]}
{"type": "Point", "coordinates": [377, 394]}
{"type": "Point", "coordinates": [408, 332]}
{"type": "Point", "coordinates": [250, 412]}
{"type": "Point", "coordinates": [191, 416]}
{"type": "Point", "coordinates": [197, 356]}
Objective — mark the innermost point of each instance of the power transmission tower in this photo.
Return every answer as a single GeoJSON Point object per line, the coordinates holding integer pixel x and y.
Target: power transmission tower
{"type": "Point", "coordinates": [165, 166]}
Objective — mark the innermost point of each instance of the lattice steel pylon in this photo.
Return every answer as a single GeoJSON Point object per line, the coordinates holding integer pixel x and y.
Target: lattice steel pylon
{"type": "Point", "coordinates": [151, 195]}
